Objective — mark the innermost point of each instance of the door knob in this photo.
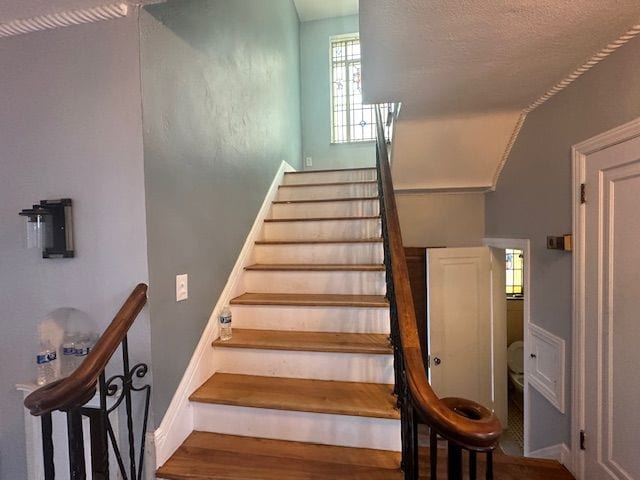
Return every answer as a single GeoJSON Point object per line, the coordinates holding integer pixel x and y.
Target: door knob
{"type": "Point", "coordinates": [437, 361]}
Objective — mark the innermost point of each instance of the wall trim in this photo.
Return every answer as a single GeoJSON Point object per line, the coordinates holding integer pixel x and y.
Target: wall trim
{"type": "Point", "coordinates": [453, 190]}
{"type": "Point", "coordinates": [579, 153]}
{"type": "Point", "coordinates": [177, 422]}
{"type": "Point", "coordinates": [558, 87]}
{"type": "Point", "coordinates": [64, 19]}
{"type": "Point", "coordinates": [559, 452]}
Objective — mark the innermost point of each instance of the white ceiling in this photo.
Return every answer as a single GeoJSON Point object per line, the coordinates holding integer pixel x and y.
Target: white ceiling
{"type": "Point", "coordinates": [469, 56]}
{"type": "Point", "coordinates": [309, 10]}
{"type": "Point", "coordinates": [463, 69]}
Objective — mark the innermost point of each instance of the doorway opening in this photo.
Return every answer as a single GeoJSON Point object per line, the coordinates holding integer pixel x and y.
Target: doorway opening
{"type": "Point", "coordinates": [517, 290]}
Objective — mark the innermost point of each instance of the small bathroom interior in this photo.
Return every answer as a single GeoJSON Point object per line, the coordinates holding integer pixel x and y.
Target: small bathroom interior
{"type": "Point", "coordinates": [513, 439]}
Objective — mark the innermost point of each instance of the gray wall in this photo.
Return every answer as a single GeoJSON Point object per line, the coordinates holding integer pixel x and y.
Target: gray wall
{"type": "Point", "coordinates": [70, 125]}
{"type": "Point", "coordinates": [533, 198]}
{"type": "Point", "coordinates": [221, 109]}
{"type": "Point", "coordinates": [316, 108]}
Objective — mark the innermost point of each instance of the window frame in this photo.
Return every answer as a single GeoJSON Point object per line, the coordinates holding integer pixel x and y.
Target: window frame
{"type": "Point", "coordinates": [349, 141]}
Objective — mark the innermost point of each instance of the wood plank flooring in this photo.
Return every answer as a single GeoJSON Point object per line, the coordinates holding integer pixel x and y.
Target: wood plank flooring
{"type": "Point", "coordinates": [317, 267]}
{"type": "Point", "coordinates": [504, 467]}
{"type": "Point", "coordinates": [311, 300]}
{"type": "Point", "coordinates": [214, 456]}
{"type": "Point", "coordinates": [297, 394]}
{"type": "Point", "coordinates": [308, 341]}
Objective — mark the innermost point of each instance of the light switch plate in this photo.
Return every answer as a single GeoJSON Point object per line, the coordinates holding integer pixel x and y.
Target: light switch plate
{"type": "Point", "coordinates": [308, 162]}
{"type": "Point", "coordinates": [182, 287]}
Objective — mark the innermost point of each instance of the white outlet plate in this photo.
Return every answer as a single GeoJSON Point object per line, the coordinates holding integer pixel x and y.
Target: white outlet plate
{"type": "Point", "coordinates": [182, 287]}
{"type": "Point", "coordinates": [308, 162]}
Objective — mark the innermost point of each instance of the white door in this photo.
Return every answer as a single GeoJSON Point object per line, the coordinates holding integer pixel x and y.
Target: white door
{"type": "Point", "coordinates": [467, 325]}
{"type": "Point", "coordinates": [611, 313]}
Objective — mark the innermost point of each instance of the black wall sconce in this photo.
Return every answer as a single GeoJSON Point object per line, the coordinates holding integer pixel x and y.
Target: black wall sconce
{"type": "Point", "coordinates": [50, 227]}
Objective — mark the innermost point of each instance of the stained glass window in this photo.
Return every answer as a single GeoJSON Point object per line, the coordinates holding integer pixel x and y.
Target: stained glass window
{"type": "Point", "coordinates": [515, 272]}
{"type": "Point", "coordinates": [351, 120]}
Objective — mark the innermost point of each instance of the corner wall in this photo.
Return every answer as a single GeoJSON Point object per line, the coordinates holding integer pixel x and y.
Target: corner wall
{"type": "Point", "coordinates": [70, 126]}
{"type": "Point", "coordinates": [221, 83]}
{"type": "Point", "coordinates": [533, 199]}
{"type": "Point", "coordinates": [316, 98]}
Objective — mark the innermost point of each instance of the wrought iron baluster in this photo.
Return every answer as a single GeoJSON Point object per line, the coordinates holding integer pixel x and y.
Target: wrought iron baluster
{"type": "Point", "coordinates": [77, 469]}
{"type": "Point", "coordinates": [47, 446]}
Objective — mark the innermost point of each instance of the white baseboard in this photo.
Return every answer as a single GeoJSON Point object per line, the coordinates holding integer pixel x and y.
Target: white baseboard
{"type": "Point", "coordinates": [558, 452]}
{"type": "Point", "coordinates": [177, 423]}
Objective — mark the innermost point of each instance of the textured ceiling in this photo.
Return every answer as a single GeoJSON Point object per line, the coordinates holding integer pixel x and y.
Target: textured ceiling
{"type": "Point", "coordinates": [318, 9]}
{"type": "Point", "coordinates": [471, 56]}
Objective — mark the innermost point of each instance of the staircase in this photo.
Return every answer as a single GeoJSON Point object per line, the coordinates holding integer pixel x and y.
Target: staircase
{"type": "Point", "coordinates": [305, 388]}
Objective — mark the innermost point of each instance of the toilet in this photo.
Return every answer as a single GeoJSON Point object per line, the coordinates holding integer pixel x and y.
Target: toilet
{"type": "Point", "coordinates": [515, 362]}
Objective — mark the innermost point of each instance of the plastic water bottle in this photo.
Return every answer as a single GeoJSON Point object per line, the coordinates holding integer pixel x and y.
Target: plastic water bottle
{"type": "Point", "coordinates": [83, 347]}
{"type": "Point", "coordinates": [225, 324]}
{"type": "Point", "coordinates": [45, 361]}
{"type": "Point", "coordinates": [69, 360]}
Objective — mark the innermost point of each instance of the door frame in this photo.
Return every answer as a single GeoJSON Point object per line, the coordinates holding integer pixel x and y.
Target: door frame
{"type": "Point", "coordinates": [525, 245]}
{"type": "Point", "coordinates": [579, 153]}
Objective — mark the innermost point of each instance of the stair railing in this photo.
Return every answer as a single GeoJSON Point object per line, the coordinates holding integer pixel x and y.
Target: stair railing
{"type": "Point", "coordinates": [462, 424]}
{"type": "Point", "coordinates": [71, 395]}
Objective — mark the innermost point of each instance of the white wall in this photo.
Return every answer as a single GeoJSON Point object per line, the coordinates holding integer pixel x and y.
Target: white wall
{"type": "Point", "coordinates": [70, 126]}
{"type": "Point", "coordinates": [441, 219]}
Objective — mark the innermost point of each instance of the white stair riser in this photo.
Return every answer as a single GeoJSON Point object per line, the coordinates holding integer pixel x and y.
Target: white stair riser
{"type": "Point", "coordinates": [320, 253]}
{"type": "Point", "coordinates": [311, 319]}
{"type": "Point", "coordinates": [348, 367]}
{"type": "Point", "coordinates": [329, 177]}
{"type": "Point", "coordinates": [348, 283]}
{"type": "Point", "coordinates": [359, 208]}
{"type": "Point", "coordinates": [328, 191]}
{"type": "Point", "coordinates": [348, 431]}
{"type": "Point", "coordinates": [322, 230]}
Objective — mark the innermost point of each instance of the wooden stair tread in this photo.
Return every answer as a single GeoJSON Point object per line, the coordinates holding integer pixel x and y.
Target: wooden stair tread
{"type": "Point", "coordinates": [215, 456]}
{"type": "Point", "coordinates": [317, 267]}
{"type": "Point", "coordinates": [352, 169]}
{"type": "Point", "coordinates": [321, 219]}
{"type": "Point", "coordinates": [327, 184]}
{"type": "Point", "coordinates": [311, 300]}
{"type": "Point", "coordinates": [372, 343]}
{"type": "Point", "coordinates": [314, 242]}
{"type": "Point", "coordinates": [320, 200]}
{"type": "Point", "coordinates": [299, 394]}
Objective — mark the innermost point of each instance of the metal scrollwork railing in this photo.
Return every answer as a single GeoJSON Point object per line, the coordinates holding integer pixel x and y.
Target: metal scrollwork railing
{"type": "Point", "coordinates": [74, 394]}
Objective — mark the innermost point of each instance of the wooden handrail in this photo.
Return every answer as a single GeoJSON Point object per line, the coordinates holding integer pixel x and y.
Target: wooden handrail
{"type": "Point", "coordinates": [451, 418]}
{"type": "Point", "coordinates": [79, 387]}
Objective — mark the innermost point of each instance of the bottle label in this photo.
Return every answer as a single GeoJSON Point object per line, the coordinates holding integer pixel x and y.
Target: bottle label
{"type": "Point", "coordinates": [68, 351]}
{"type": "Point", "coordinates": [52, 356]}
{"type": "Point", "coordinates": [225, 319]}
{"type": "Point", "coordinates": [42, 359]}
{"type": "Point", "coordinates": [81, 352]}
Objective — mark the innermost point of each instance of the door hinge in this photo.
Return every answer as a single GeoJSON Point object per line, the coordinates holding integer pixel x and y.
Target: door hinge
{"type": "Point", "coordinates": [582, 440]}
{"type": "Point", "coordinates": [583, 194]}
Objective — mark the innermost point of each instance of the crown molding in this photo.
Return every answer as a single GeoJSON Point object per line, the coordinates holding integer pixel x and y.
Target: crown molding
{"type": "Point", "coordinates": [64, 19]}
{"type": "Point", "coordinates": [558, 87]}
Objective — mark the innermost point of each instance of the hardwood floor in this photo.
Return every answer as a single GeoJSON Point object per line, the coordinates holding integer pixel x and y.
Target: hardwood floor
{"type": "Point", "coordinates": [371, 343]}
{"type": "Point", "coordinates": [211, 456]}
{"type": "Point", "coordinates": [299, 394]}
{"type": "Point", "coordinates": [312, 300]}
{"type": "Point", "coordinates": [504, 467]}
